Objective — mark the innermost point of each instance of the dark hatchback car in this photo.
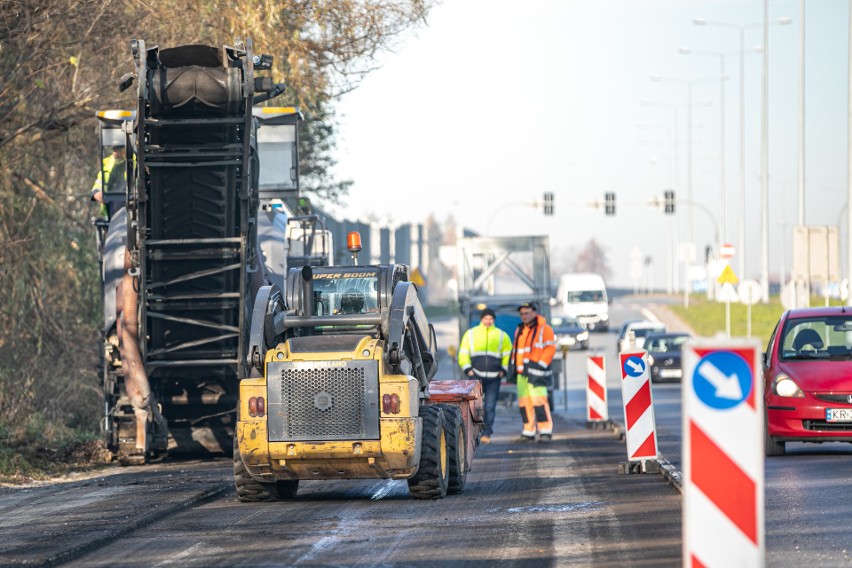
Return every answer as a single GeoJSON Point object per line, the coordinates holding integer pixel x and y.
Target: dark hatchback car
{"type": "Point", "coordinates": [807, 378]}
{"type": "Point", "coordinates": [570, 333]}
{"type": "Point", "coordinates": [665, 355]}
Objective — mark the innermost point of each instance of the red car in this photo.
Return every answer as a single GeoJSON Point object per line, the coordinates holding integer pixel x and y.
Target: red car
{"type": "Point", "coordinates": [807, 378]}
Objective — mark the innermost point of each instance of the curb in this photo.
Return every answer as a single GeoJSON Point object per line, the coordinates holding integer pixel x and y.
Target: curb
{"type": "Point", "coordinates": [669, 472]}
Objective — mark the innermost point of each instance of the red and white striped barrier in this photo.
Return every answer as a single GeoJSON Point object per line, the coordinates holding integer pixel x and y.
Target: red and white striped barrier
{"type": "Point", "coordinates": [641, 435]}
{"type": "Point", "coordinates": [723, 523]}
{"type": "Point", "coordinates": [596, 403]}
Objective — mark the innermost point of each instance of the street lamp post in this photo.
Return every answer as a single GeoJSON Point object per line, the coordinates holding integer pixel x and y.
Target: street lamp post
{"type": "Point", "coordinates": [741, 28]}
{"type": "Point", "coordinates": [671, 261]}
{"type": "Point", "coordinates": [689, 83]}
{"type": "Point", "coordinates": [722, 175]}
{"type": "Point", "coordinates": [802, 114]}
{"type": "Point", "coordinates": [849, 179]}
{"type": "Point", "coordinates": [690, 226]}
{"type": "Point", "coordinates": [676, 144]}
{"type": "Point", "coordinates": [696, 205]}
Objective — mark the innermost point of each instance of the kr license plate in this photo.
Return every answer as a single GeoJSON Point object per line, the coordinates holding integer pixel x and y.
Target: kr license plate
{"type": "Point", "coordinates": [838, 414]}
{"type": "Point", "coordinates": [671, 373]}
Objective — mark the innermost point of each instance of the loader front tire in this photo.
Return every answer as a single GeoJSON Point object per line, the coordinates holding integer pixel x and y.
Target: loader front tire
{"type": "Point", "coordinates": [250, 490]}
{"type": "Point", "coordinates": [432, 477]}
{"type": "Point", "coordinates": [456, 448]}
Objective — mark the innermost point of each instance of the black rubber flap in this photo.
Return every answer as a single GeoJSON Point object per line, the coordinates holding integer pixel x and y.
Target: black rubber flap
{"type": "Point", "coordinates": [186, 55]}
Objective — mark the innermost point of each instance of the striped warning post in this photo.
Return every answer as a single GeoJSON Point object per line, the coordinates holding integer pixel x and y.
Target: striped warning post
{"type": "Point", "coordinates": [596, 403]}
{"type": "Point", "coordinates": [723, 454]}
{"type": "Point", "coordinates": [641, 435]}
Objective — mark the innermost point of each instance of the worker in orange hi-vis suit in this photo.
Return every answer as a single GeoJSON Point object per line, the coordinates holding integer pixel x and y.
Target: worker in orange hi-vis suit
{"type": "Point", "coordinates": [532, 353]}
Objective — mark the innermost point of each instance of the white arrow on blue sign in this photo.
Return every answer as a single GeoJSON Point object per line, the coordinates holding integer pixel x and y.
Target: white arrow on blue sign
{"type": "Point", "coordinates": [722, 380]}
{"type": "Point", "coordinates": [634, 366]}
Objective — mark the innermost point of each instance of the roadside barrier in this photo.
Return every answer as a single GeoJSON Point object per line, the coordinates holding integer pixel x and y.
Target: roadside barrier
{"type": "Point", "coordinates": [597, 411]}
{"type": "Point", "coordinates": [723, 458]}
{"type": "Point", "coordinates": [641, 430]}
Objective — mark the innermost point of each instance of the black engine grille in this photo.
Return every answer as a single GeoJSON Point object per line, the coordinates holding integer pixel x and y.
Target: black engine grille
{"type": "Point", "coordinates": [824, 426]}
{"type": "Point", "coordinates": [333, 400]}
{"type": "Point", "coordinates": [842, 398]}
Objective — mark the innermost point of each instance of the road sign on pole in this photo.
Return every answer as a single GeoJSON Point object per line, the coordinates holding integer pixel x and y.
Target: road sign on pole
{"type": "Point", "coordinates": [723, 522]}
{"type": "Point", "coordinates": [641, 435]}
{"type": "Point", "coordinates": [596, 400]}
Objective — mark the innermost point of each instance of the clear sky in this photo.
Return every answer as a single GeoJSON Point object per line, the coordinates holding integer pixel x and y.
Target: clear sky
{"type": "Point", "coordinates": [495, 102]}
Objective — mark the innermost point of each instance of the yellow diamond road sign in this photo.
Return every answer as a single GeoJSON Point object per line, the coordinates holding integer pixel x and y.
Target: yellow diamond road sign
{"type": "Point", "coordinates": [416, 278]}
{"type": "Point", "coordinates": [728, 276]}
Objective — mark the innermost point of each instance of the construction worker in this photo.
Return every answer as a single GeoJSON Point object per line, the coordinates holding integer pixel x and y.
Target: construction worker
{"type": "Point", "coordinates": [532, 352]}
{"type": "Point", "coordinates": [115, 162]}
{"type": "Point", "coordinates": [484, 355]}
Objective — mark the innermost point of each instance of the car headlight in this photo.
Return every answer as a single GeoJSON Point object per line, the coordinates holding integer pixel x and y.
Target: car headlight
{"type": "Point", "coordinates": [650, 359]}
{"type": "Point", "coordinates": [784, 386]}
{"type": "Point", "coordinates": [583, 335]}
{"type": "Point", "coordinates": [604, 317]}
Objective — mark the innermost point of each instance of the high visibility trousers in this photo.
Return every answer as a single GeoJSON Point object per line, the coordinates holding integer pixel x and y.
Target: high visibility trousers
{"type": "Point", "coordinates": [532, 402]}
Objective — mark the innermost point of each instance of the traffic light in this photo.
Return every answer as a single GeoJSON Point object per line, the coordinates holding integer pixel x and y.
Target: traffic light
{"type": "Point", "coordinates": [609, 203]}
{"type": "Point", "coordinates": [548, 203]}
{"type": "Point", "coordinates": [669, 201]}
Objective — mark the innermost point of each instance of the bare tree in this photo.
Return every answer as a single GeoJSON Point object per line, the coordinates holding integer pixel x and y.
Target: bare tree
{"type": "Point", "coordinates": [593, 258]}
{"type": "Point", "coordinates": [59, 63]}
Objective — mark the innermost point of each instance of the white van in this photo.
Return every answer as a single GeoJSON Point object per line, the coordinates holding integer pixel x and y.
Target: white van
{"type": "Point", "coordinates": [583, 296]}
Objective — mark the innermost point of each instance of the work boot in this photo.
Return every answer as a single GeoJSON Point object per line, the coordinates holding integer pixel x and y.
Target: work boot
{"type": "Point", "coordinates": [545, 438]}
{"type": "Point", "coordinates": [485, 440]}
{"type": "Point", "coordinates": [524, 438]}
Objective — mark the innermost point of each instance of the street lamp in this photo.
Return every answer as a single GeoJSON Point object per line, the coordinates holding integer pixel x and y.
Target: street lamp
{"type": "Point", "coordinates": [742, 29]}
{"type": "Point", "coordinates": [722, 79]}
{"type": "Point", "coordinates": [675, 232]}
{"type": "Point", "coordinates": [689, 83]}
{"type": "Point", "coordinates": [849, 181]}
{"type": "Point", "coordinates": [674, 225]}
{"type": "Point", "coordinates": [671, 260]}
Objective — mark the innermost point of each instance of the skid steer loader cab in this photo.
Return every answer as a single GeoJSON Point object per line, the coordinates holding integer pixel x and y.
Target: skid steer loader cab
{"type": "Point", "coordinates": [346, 389]}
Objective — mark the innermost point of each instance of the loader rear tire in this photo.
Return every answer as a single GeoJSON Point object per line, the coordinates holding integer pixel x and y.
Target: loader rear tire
{"type": "Point", "coordinates": [432, 477]}
{"type": "Point", "coordinates": [456, 448]}
{"type": "Point", "coordinates": [249, 490]}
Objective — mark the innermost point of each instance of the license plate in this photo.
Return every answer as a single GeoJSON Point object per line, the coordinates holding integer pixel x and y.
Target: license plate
{"type": "Point", "coordinates": [566, 341]}
{"type": "Point", "coordinates": [838, 414]}
{"type": "Point", "coordinates": [670, 373]}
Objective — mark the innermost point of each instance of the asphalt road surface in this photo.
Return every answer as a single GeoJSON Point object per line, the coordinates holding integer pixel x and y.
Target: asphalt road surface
{"type": "Point", "coordinates": [526, 504]}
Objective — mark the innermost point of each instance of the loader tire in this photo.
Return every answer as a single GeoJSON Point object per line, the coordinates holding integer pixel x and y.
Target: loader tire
{"type": "Point", "coordinates": [456, 448]}
{"type": "Point", "coordinates": [249, 490]}
{"type": "Point", "coordinates": [432, 477]}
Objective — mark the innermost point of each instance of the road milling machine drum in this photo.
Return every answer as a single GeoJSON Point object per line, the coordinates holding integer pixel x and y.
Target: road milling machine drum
{"type": "Point", "coordinates": [342, 389]}
{"type": "Point", "coordinates": [183, 260]}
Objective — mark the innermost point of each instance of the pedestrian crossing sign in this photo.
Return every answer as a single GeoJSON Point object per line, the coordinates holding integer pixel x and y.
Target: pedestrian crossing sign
{"type": "Point", "coordinates": [728, 276]}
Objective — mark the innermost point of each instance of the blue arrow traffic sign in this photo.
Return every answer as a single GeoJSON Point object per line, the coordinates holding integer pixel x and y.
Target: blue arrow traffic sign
{"type": "Point", "coordinates": [722, 380]}
{"type": "Point", "coordinates": [634, 366]}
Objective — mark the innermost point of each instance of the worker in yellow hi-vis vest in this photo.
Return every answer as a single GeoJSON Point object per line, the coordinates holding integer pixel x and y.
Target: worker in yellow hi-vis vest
{"type": "Point", "coordinates": [112, 178]}
{"type": "Point", "coordinates": [484, 354]}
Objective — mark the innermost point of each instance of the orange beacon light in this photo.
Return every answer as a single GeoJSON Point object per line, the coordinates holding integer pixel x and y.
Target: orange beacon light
{"type": "Point", "coordinates": [353, 243]}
